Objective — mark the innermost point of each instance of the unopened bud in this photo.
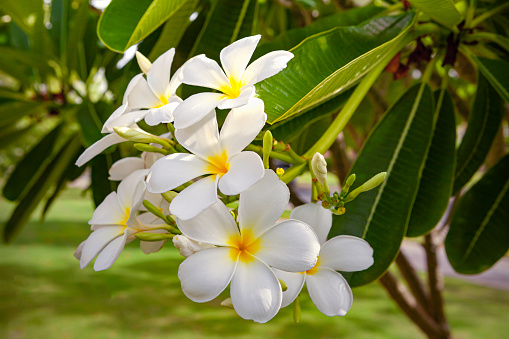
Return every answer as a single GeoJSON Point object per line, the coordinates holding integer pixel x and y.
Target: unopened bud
{"type": "Point", "coordinates": [150, 148]}
{"type": "Point", "coordinates": [368, 185]}
{"type": "Point", "coordinates": [188, 246]}
{"type": "Point", "coordinates": [143, 62]}
{"type": "Point", "coordinates": [227, 303]}
{"type": "Point", "coordinates": [319, 167]}
{"type": "Point", "coordinates": [138, 135]}
{"type": "Point", "coordinates": [267, 147]}
{"type": "Point", "coordinates": [280, 172]}
{"type": "Point", "coordinates": [147, 236]}
{"type": "Point", "coordinates": [283, 284]}
{"type": "Point", "coordinates": [169, 196]}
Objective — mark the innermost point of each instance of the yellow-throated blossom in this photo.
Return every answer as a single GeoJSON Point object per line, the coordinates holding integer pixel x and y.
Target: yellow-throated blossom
{"type": "Point", "coordinates": [218, 155]}
{"type": "Point", "coordinates": [327, 288]}
{"type": "Point", "coordinates": [246, 252]}
{"type": "Point", "coordinates": [235, 83]}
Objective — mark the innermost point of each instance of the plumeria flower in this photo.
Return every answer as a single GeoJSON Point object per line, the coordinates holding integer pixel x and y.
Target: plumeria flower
{"type": "Point", "coordinates": [246, 252]}
{"type": "Point", "coordinates": [235, 83]}
{"type": "Point", "coordinates": [188, 246]}
{"type": "Point", "coordinates": [114, 223]}
{"type": "Point", "coordinates": [218, 155]}
{"type": "Point", "coordinates": [328, 290]}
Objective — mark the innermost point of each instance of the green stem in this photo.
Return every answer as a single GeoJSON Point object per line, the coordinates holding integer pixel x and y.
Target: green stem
{"type": "Point", "coordinates": [487, 14]}
{"type": "Point", "coordinates": [274, 154]}
{"type": "Point", "coordinates": [489, 37]}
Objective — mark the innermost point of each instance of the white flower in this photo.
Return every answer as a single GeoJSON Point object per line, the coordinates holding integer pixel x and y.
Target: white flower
{"type": "Point", "coordinates": [236, 83]}
{"type": "Point", "coordinates": [247, 251]}
{"type": "Point", "coordinates": [328, 290]}
{"type": "Point", "coordinates": [114, 223]}
{"type": "Point", "coordinates": [188, 246]}
{"type": "Point", "coordinates": [218, 155]}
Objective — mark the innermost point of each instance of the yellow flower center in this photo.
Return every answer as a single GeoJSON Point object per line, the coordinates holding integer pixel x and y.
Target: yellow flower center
{"type": "Point", "coordinates": [232, 91]}
{"type": "Point", "coordinates": [126, 217]}
{"type": "Point", "coordinates": [218, 164]}
{"type": "Point", "coordinates": [313, 270]}
{"type": "Point", "coordinates": [244, 246]}
{"type": "Point", "coordinates": [163, 101]}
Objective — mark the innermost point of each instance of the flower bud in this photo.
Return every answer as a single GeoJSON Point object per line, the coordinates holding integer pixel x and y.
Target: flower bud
{"type": "Point", "coordinates": [267, 147]}
{"type": "Point", "coordinates": [147, 236]}
{"type": "Point", "coordinates": [138, 135]}
{"type": "Point", "coordinates": [143, 62]}
{"type": "Point", "coordinates": [368, 185]}
{"type": "Point", "coordinates": [319, 167]}
{"type": "Point", "coordinates": [169, 196]}
{"type": "Point", "coordinates": [188, 246]}
{"type": "Point", "coordinates": [227, 303]}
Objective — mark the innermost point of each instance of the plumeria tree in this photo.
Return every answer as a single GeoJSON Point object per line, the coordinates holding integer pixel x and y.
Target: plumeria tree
{"type": "Point", "coordinates": [402, 103]}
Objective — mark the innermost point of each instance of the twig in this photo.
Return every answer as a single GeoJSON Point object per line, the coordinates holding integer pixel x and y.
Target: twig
{"type": "Point", "coordinates": [413, 281]}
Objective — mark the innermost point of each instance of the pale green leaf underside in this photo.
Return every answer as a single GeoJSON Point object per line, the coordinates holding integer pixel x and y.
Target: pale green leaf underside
{"type": "Point", "coordinates": [442, 11]}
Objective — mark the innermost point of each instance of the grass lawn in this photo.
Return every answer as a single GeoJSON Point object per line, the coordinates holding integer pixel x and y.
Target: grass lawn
{"type": "Point", "coordinates": [44, 294]}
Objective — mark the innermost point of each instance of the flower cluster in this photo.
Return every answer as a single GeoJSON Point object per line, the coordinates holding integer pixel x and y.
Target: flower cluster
{"type": "Point", "coordinates": [218, 202]}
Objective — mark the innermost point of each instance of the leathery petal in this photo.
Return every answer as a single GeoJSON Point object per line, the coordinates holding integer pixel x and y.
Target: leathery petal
{"type": "Point", "coordinates": [246, 168]}
{"type": "Point", "coordinates": [235, 57]}
{"type": "Point", "coordinates": [319, 218]}
{"type": "Point", "coordinates": [266, 66]}
{"type": "Point", "coordinates": [195, 199]}
{"type": "Point", "coordinates": [330, 292]}
{"type": "Point", "coordinates": [98, 147]}
{"type": "Point", "coordinates": [195, 108]}
{"type": "Point", "coordinates": [201, 138]}
{"type": "Point", "coordinates": [294, 282]}
{"type": "Point", "coordinates": [204, 72]}
{"type": "Point", "coordinates": [346, 253]}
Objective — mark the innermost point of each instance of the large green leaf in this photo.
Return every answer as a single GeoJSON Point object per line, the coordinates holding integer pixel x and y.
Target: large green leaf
{"type": "Point", "coordinates": [479, 233]}
{"type": "Point", "coordinates": [12, 111]}
{"type": "Point", "coordinates": [483, 123]}
{"type": "Point", "coordinates": [31, 199]}
{"type": "Point", "coordinates": [497, 73]}
{"type": "Point", "coordinates": [437, 177]}
{"type": "Point", "coordinates": [328, 63]}
{"type": "Point", "coordinates": [90, 122]}
{"type": "Point", "coordinates": [442, 11]}
{"type": "Point", "coordinates": [126, 22]}
{"type": "Point", "coordinates": [100, 184]}
{"type": "Point", "coordinates": [398, 146]}
{"type": "Point", "coordinates": [24, 13]}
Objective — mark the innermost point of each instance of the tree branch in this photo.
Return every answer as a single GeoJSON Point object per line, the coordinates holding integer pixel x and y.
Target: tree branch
{"type": "Point", "coordinates": [413, 281]}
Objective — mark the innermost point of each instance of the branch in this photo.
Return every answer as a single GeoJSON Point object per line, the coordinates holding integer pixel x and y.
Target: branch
{"type": "Point", "coordinates": [413, 280]}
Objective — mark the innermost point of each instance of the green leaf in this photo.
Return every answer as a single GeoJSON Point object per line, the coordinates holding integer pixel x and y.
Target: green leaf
{"type": "Point", "coordinates": [23, 13]}
{"type": "Point", "coordinates": [173, 30]}
{"type": "Point", "coordinates": [12, 134]}
{"type": "Point", "coordinates": [437, 177]}
{"type": "Point", "coordinates": [126, 22]}
{"type": "Point", "coordinates": [442, 11]}
{"type": "Point", "coordinates": [90, 123]}
{"type": "Point", "coordinates": [398, 146]}
{"type": "Point", "coordinates": [497, 73]}
{"type": "Point", "coordinates": [31, 199]}
{"type": "Point", "coordinates": [100, 184]}
{"type": "Point", "coordinates": [12, 111]}
{"type": "Point", "coordinates": [328, 63]}
{"type": "Point", "coordinates": [31, 166]}
{"type": "Point", "coordinates": [483, 123]}
{"type": "Point", "coordinates": [478, 236]}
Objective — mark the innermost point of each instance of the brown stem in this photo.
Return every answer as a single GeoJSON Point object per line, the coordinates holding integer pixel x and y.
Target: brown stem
{"type": "Point", "coordinates": [294, 198]}
{"type": "Point", "coordinates": [409, 305]}
{"type": "Point", "coordinates": [436, 284]}
{"type": "Point", "coordinates": [413, 280]}
{"type": "Point", "coordinates": [340, 163]}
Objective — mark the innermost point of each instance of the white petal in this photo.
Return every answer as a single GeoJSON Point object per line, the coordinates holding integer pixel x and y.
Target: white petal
{"type": "Point", "coordinates": [201, 138]}
{"type": "Point", "coordinates": [150, 157]}
{"type": "Point", "coordinates": [98, 147]}
{"type": "Point", "coordinates": [195, 198]}
{"type": "Point", "coordinates": [131, 190]}
{"type": "Point", "coordinates": [174, 170]}
{"type": "Point", "coordinates": [175, 82]}
{"type": "Point", "coordinates": [79, 250]}
{"type": "Point", "coordinates": [142, 96]}
{"type": "Point", "coordinates": [330, 292]}
{"type": "Point", "coordinates": [242, 125]}
{"type": "Point", "coordinates": [187, 246]}
{"type": "Point", "coordinates": [290, 246]}
{"type": "Point", "coordinates": [215, 225]}
{"type": "Point", "coordinates": [130, 86]}
{"type": "Point", "coordinates": [235, 57]}
{"type": "Point", "coordinates": [319, 218]}
{"type": "Point", "coordinates": [255, 291]}
{"type": "Point", "coordinates": [205, 274]}
{"type": "Point", "coordinates": [204, 72]}
{"type": "Point", "coordinates": [266, 66]}
{"type": "Point", "coordinates": [128, 119]}
{"type": "Point", "coordinates": [109, 124]}
{"type": "Point", "coordinates": [123, 167]}
{"type": "Point", "coordinates": [158, 77]}
{"type": "Point", "coordinates": [346, 253]}
{"type": "Point", "coordinates": [294, 282]}
{"type": "Point", "coordinates": [110, 254]}
{"type": "Point", "coordinates": [195, 108]}
{"type": "Point", "coordinates": [151, 246]}
{"type": "Point", "coordinates": [263, 203]}
{"type": "Point", "coordinates": [96, 242]}
{"type": "Point", "coordinates": [109, 212]}
{"type": "Point", "coordinates": [246, 168]}
{"type": "Point", "coordinates": [246, 94]}
{"type": "Point", "coordinates": [163, 114]}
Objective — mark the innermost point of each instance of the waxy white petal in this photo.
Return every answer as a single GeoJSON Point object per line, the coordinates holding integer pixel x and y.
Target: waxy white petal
{"type": "Point", "coordinates": [263, 203]}
{"type": "Point", "coordinates": [195, 108]}
{"type": "Point", "coordinates": [330, 292]}
{"type": "Point", "coordinates": [79, 250]}
{"type": "Point", "coordinates": [151, 246]}
{"type": "Point", "coordinates": [142, 96]}
{"type": "Point", "coordinates": [123, 167]}
{"type": "Point", "coordinates": [266, 66]}
{"type": "Point", "coordinates": [195, 198]}
{"type": "Point", "coordinates": [215, 225]}
{"type": "Point", "coordinates": [174, 170]}
{"type": "Point", "coordinates": [205, 274]}
{"type": "Point", "coordinates": [129, 118]}
{"type": "Point", "coordinates": [110, 253]}
{"type": "Point", "coordinates": [246, 94]}
{"type": "Point", "coordinates": [246, 168]}
{"type": "Point", "coordinates": [110, 123]}
{"type": "Point", "coordinates": [346, 253]}
{"type": "Point", "coordinates": [242, 125]}
{"type": "Point", "coordinates": [319, 218]}
{"type": "Point", "coordinates": [204, 72]}
{"type": "Point", "coordinates": [163, 114]}
{"type": "Point", "coordinates": [294, 282]}
{"type": "Point", "coordinates": [255, 291]}
{"type": "Point", "coordinates": [201, 138]}
{"type": "Point", "coordinates": [98, 147]}
{"type": "Point", "coordinates": [235, 57]}
{"type": "Point", "coordinates": [109, 212]}
{"type": "Point", "coordinates": [158, 77]}
{"type": "Point", "coordinates": [290, 246]}
{"type": "Point", "coordinates": [97, 241]}
{"type": "Point", "coordinates": [130, 194]}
